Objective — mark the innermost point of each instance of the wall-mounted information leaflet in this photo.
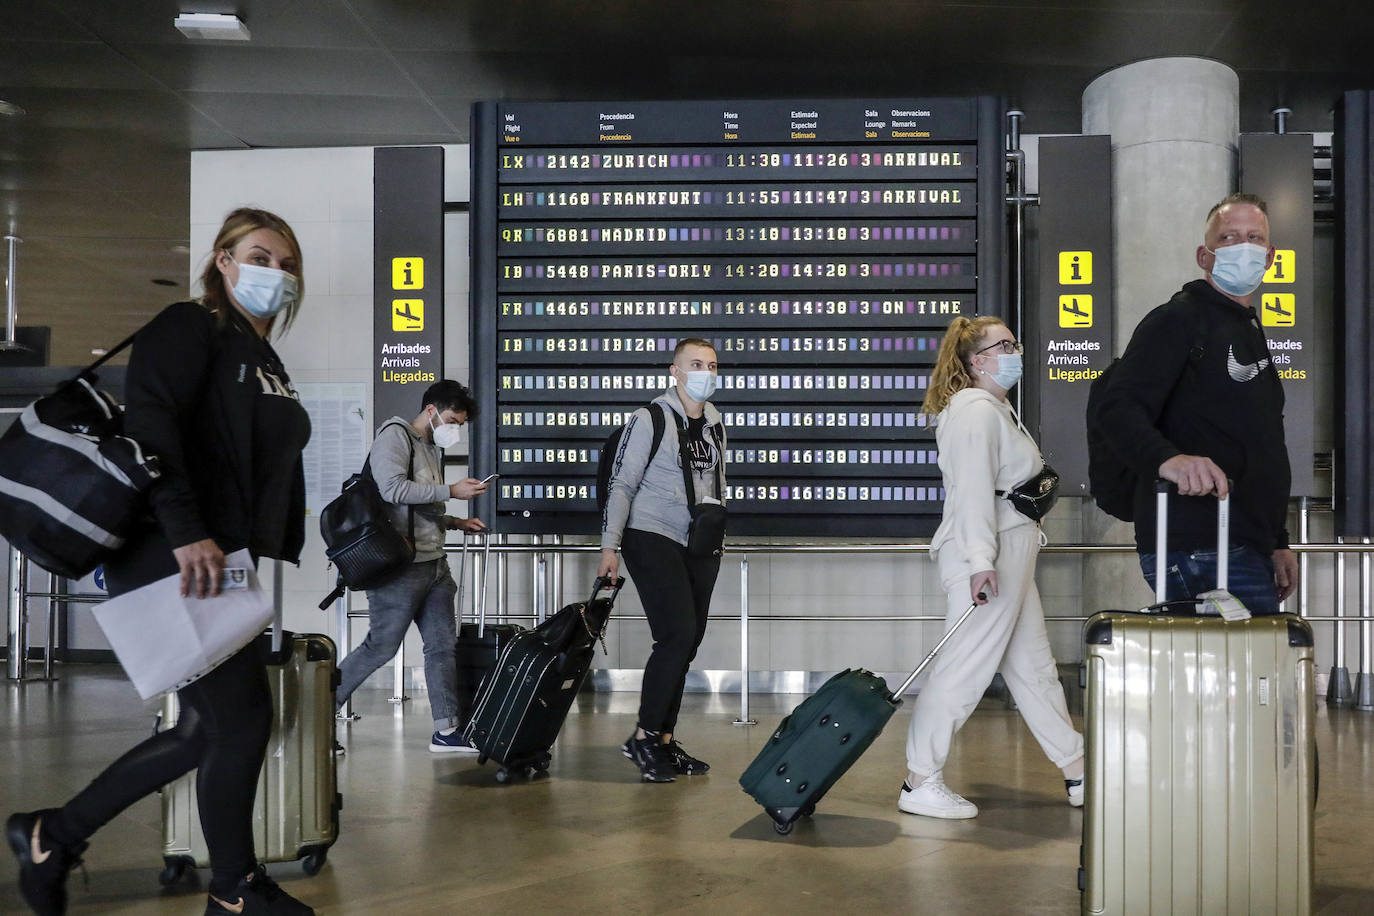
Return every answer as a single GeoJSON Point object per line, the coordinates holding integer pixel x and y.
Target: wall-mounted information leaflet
{"type": "Point", "coordinates": [822, 247]}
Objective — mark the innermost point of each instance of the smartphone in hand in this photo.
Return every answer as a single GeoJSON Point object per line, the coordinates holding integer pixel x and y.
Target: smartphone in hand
{"type": "Point", "coordinates": [489, 478]}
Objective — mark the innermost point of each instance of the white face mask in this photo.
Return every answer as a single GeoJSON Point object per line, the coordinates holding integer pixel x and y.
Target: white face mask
{"type": "Point", "coordinates": [264, 291]}
{"type": "Point", "coordinates": [446, 435]}
{"type": "Point", "coordinates": [700, 384]}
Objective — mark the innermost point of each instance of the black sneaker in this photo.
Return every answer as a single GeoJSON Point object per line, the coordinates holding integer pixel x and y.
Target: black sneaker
{"type": "Point", "coordinates": [651, 756]}
{"type": "Point", "coordinates": [257, 895]}
{"type": "Point", "coordinates": [42, 872]}
{"type": "Point", "coordinates": [684, 762]}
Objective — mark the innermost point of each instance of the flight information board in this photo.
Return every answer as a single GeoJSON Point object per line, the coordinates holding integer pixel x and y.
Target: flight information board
{"type": "Point", "coordinates": [821, 246]}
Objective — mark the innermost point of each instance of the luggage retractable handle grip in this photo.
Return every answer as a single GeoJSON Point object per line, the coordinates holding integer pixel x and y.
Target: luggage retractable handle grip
{"type": "Point", "coordinates": [462, 580]}
{"type": "Point", "coordinates": [1162, 490]}
{"type": "Point", "coordinates": [925, 662]}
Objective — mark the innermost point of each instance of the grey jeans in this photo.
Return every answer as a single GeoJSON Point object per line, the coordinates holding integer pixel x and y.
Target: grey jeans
{"type": "Point", "coordinates": [425, 594]}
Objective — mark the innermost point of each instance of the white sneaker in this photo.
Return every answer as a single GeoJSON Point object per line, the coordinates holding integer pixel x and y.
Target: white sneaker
{"type": "Point", "coordinates": [934, 799]}
{"type": "Point", "coordinates": [1075, 787]}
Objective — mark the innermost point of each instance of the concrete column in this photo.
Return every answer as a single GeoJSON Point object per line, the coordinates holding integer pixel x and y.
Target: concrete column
{"type": "Point", "coordinates": [1174, 124]}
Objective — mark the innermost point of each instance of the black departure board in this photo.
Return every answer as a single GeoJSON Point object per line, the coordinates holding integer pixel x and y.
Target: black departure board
{"type": "Point", "coordinates": [821, 246]}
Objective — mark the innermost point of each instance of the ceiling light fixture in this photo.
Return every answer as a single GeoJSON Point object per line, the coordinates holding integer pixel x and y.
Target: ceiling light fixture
{"type": "Point", "coordinates": [9, 109]}
{"type": "Point", "coordinates": [211, 27]}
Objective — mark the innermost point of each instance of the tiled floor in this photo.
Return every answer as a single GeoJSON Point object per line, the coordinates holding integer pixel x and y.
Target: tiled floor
{"type": "Point", "coordinates": [425, 833]}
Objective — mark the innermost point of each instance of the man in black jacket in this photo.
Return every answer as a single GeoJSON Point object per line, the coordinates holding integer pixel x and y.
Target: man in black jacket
{"type": "Point", "coordinates": [1196, 400]}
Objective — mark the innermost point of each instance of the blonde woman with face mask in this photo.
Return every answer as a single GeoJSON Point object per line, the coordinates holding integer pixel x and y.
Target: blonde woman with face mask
{"type": "Point", "coordinates": [208, 395]}
{"type": "Point", "coordinates": [985, 552]}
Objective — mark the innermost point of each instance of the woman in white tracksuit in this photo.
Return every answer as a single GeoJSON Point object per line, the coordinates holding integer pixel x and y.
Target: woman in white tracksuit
{"type": "Point", "coordinates": [984, 545]}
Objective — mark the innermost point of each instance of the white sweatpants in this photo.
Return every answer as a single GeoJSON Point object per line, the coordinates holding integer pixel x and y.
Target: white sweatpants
{"type": "Point", "coordinates": [1006, 634]}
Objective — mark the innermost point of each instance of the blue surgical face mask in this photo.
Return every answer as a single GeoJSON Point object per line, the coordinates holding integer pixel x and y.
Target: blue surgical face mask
{"type": "Point", "coordinates": [1239, 269]}
{"type": "Point", "coordinates": [264, 291]}
{"type": "Point", "coordinates": [1008, 370]}
{"type": "Point", "coordinates": [700, 385]}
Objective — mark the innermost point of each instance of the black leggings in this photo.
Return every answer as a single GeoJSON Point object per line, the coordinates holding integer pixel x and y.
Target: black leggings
{"type": "Point", "coordinates": [221, 733]}
{"type": "Point", "coordinates": [675, 589]}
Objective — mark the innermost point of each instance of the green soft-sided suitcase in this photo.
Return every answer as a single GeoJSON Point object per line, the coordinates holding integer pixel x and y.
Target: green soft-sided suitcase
{"type": "Point", "coordinates": [817, 744]}
{"type": "Point", "coordinates": [296, 811]}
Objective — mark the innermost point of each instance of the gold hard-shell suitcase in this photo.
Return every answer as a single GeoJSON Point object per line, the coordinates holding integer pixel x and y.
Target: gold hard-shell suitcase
{"type": "Point", "coordinates": [1201, 763]}
{"type": "Point", "coordinates": [296, 811]}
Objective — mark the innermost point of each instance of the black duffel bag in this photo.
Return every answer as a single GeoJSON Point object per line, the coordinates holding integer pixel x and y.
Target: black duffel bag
{"type": "Point", "coordinates": [72, 485]}
{"type": "Point", "coordinates": [360, 539]}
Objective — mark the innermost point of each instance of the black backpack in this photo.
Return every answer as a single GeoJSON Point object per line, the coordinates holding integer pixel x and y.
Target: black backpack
{"type": "Point", "coordinates": [1111, 481]}
{"type": "Point", "coordinates": [359, 537]}
{"type": "Point", "coordinates": [612, 445]}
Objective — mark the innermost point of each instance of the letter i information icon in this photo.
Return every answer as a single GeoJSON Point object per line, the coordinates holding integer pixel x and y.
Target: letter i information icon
{"type": "Point", "coordinates": [408, 274]}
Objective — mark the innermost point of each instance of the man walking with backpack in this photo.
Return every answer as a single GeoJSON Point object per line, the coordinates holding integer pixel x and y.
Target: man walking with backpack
{"type": "Point", "coordinates": [407, 464]}
{"type": "Point", "coordinates": [1196, 400]}
{"type": "Point", "coordinates": [665, 510]}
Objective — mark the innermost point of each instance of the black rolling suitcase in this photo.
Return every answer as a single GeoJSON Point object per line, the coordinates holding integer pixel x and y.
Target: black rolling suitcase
{"type": "Point", "coordinates": [480, 644]}
{"type": "Point", "coordinates": [823, 737]}
{"type": "Point", "coordinates": [524, 700]}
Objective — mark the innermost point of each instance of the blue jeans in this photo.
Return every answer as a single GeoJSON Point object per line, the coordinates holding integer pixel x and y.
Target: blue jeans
{"type": "Point", "coordinates": [425, 594]}
{"type": "Point", "coordinates": [1250, 576]}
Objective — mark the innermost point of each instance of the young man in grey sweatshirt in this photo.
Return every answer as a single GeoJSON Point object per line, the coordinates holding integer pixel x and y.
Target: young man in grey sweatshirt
{"type": "Point", "coordinates": [407, 463]}
{"type": "Point", "coordinates": [647, 517]}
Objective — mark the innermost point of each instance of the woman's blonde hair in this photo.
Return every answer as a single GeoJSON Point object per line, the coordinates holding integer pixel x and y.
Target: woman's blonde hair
{"type": "Point", "coordinates": [951, 372]}
{"type": "Point", "coordinates": [237, 225]}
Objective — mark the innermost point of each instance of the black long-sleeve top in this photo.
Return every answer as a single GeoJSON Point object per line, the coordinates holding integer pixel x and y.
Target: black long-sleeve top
{"type": "Point", "coordinates": [212, 400]}
{"type": "Point", "coordinates": [1197, 379]}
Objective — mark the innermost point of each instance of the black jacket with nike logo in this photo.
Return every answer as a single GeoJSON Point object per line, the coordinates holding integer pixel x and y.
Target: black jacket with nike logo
{"type": "Point", "coordinates": [1197, 379]}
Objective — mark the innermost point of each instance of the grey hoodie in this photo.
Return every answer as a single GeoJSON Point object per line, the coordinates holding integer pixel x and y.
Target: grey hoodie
{"type": "Point", "coordinates": [406, 481]}
{"type": "Point", "coordinates": [652, 498]}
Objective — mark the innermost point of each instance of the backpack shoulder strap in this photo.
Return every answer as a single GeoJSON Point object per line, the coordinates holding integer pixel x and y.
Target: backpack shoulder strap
{"type": "Point", "coordinates": [660, 421]}
{"type": "Point", "coordinates": [410, 470]}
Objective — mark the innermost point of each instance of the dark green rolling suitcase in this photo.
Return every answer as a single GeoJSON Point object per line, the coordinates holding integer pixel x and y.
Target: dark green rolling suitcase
{"type": "Point", "coordinates": [818, 743]}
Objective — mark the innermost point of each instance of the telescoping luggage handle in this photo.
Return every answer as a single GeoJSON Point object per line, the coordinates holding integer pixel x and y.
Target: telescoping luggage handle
{"type": "Point", "coordinates": [1162, 489]}
{"type": "Point", "coordinates": [936, 651]}
{"type": "Point", "coordinates": [462, 579]}
{"type": "Point", "coordinates": [602, 583]}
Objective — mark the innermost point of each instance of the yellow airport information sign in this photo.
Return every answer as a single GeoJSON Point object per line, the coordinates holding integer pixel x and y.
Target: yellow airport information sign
{"type": "Point", "coordinates": [407, 314]}
{"type": "Point", "coordinates": [407, 273]}
{"type": "Point", "coordinates": [1075, 267]}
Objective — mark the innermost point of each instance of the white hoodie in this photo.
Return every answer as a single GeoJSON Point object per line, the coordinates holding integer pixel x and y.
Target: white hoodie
{"type": "Point", "coordinates": [982, 449]}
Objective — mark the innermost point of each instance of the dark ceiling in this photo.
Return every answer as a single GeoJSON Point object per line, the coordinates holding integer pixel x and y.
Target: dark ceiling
{"type": "Point", "coordinates": [95, 174]}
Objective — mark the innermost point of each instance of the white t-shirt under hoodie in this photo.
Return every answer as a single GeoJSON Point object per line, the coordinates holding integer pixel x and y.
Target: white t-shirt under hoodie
{"type": "Point", "coordinates": [982, 449]}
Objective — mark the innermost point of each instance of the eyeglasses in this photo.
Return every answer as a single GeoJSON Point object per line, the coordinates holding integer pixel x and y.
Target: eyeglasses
{"type": "Point", "coordinates": [1007, 346]}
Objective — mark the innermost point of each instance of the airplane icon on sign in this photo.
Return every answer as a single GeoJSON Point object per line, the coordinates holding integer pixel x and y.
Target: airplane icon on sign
{"type": "Point", "coordinates": [407, 314]}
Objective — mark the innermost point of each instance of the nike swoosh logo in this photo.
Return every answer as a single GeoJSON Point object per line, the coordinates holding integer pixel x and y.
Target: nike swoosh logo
{"type": "Point", "coordinates": [1243, 372]}
{"type": "Point", "coordinates": [36, 852]}
{"type": "Point", "coordinates": [231, 907]}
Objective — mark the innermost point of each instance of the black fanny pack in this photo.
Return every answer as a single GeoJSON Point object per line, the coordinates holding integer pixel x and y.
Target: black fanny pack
{"type": "Point", "coordinates": [706, 532]}
{"type": "Point", "coordinates": [1036, 497]}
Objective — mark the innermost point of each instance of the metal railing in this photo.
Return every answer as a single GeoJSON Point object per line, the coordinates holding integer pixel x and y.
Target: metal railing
{"type": "Point", "coordinates": [547, 596]}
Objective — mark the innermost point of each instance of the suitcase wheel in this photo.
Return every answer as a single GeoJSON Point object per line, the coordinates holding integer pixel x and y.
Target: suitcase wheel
{"type": "Point", "coordinates": [314, 859]}
{"type": "Point", "coordinates": [174, 868]}
{"type": "Point", "coordinates": [541, 767]}
{"type": "Point", "coordinates": [503, 775]}
{"type": "Point", "coordinates": [783, 829]}
{"type": "Point", "coordinates": [808, 811]}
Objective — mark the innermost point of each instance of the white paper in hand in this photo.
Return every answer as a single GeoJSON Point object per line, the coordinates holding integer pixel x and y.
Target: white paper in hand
{"type": "Point", "coordinates": [165, 641]}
